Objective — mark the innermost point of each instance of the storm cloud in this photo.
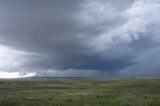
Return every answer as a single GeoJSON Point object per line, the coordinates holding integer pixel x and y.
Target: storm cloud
{"type": "Point", "coordinates": [80, 37]}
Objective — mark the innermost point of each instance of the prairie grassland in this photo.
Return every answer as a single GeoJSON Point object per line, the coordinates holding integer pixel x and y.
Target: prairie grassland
{"type": "Point", "coordinates": [80, 92]}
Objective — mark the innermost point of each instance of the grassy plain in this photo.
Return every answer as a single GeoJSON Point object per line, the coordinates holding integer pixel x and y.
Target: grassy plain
{"type": "Point", "coordinates": [80, 92]}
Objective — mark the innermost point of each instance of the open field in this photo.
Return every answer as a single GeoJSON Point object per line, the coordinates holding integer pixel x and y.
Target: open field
{"type": "Point", "coordinates": [80, 92]}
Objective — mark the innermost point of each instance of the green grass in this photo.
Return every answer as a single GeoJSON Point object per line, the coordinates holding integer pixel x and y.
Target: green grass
{"type": "Point", "coordinates": [80, 92]}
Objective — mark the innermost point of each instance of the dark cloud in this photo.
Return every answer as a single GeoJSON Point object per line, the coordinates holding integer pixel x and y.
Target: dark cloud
{"type": "Point", "coordinates": [104, 36]}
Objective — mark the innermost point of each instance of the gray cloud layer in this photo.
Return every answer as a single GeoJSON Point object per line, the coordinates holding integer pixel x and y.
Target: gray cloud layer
{"type": "Point", "coordinates": [112, 37]}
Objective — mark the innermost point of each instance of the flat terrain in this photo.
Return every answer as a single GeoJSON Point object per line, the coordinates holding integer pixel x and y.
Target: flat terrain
{"type": "Point", "coordinates": [80, 92]}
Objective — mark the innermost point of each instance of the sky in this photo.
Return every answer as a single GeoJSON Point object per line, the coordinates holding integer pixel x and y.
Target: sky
{"type": "Point", "coordinates": [79, 38]}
